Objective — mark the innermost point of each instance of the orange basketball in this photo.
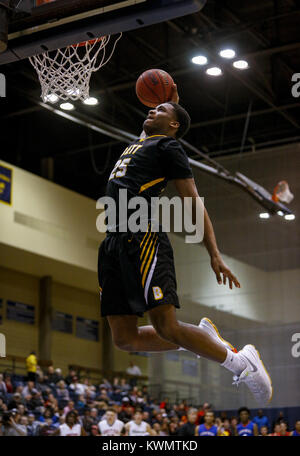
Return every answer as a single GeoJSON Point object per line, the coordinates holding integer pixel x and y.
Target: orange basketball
{"type": "Point", "coordinates": [154, 87]}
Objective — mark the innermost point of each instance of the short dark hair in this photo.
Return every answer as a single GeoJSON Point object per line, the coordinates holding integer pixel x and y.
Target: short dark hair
{"type": "Point", "coordinates": [243, 409]}
{"type": "Point", "coordinates": [183, 118]}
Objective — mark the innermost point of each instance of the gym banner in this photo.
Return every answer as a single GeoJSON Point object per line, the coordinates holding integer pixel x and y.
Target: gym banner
{"type": "Point", "coordinates": [5, 184]}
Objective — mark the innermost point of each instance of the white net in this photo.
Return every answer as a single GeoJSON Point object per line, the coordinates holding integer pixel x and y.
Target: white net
{"type": "Point", "coordinates": [66, 73]}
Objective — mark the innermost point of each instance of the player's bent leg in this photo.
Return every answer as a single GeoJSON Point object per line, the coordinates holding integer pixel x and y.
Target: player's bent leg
{"type": "Point", "coordinates": [128, 336]}
{"type": "Point", "coordinates": [185, 335]}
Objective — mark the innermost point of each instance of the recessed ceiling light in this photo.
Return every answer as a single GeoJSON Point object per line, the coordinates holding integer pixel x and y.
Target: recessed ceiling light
{"type": "Point", "coordinates": [91, 101]}
{"type": "Point", "coordinates": [214, 71]}
{"type": "Point", "coordinates": [200, 60]}
{"type": "Point", "coordinates": [67, 106]}
{"type": "Point", "coordinates": [241, 64]}
{"type": "Point", "coordinates": [264, 215]}
{"type": "Point", "coordinates": [280, 213]}
{"type": "Point", "coordinates": [289, 217]}
{"type": "Point", "coordinates": [227, 53]}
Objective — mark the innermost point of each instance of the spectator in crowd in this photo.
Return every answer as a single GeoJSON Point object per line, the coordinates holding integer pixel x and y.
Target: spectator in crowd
{"type": "Point", "coordinates": [3, 389]}
{"type": "Point", "coordinates": [110, 425]}
{"type": "Point", "coordinates": [279, 419]}
{"type": "Point", "coordinates": [31, 366]}
{"type": "Point", "coordinates": [124, 386]}
{"type": "Point", "coordinates": [71, 427]}
{"type": "Point", "coordinates": [69, 407]}
{"type": "Point", "coordinates": [77, 387]}
{"type": "Point", "coordinates": [53, 376]}
{"type": "Point", "coordinates": [62, 393]}
{"type": "Point", "coordinates": [263, 431]}
{"type": "Point", "coordinates": [284, 430]}
{"type": "Point", "coordinates": [47, 428]}
{"type": "Point", "coordinates": [15, 401]}
{"type": "Point", "coordinates": [246, 427]}
{"type": "Point", "coordinates": [94, 431]}
{"type": "Point", "coordinates": [276, 430]}
{"type": "Point", "coordinates": [10, 427]}
{"type": "Point", "coordinates": [261, 420]}
{"type": "Point", "coordinates": [296, 431]}
{"type": "Point", "coordinates": [8, 384]}
{"type": "Point", "coordinates": [188, 429]}
{"type": "Point", "coordinates": [27, 390]}
{"type": "Point", "coordinates": [69, 378]}
{"type": "Point", "coordinates": [133, 369]}
{"type": "Point", "coordinates": [33, 425]}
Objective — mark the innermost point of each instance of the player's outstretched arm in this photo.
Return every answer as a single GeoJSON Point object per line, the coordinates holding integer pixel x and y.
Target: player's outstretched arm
{"type": "Point", "coordinates": [187, 188]}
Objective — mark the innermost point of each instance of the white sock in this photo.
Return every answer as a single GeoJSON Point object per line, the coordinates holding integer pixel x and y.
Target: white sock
{"type": "Point", "coordinates": [234, 362]}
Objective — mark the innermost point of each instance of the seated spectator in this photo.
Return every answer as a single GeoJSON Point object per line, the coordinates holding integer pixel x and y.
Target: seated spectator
{"type": "Point", "coordinates": [261, 420]}
{"type": "Point", "coordinates": [173, 428]}
{"type": "Point", "coordinates": [263, 431]}
{"type": "Point", "coordinates": [77, 387]}
{"type": "Point", "coordinates": [36, 401]}
{"type": "Point", "coordinates": [94, 432]}
{"type": "Point", "coordinates": [51, 401]}
{"type": "Point", "coordinates": [3, 388]}
{"type": "Point", "coordinates": [188, 429]}
{"type": "Point", "coordinates": [11, 428]}
{"type": "Point", "coordinates": [21, 409]}
{"type": "Point", "coordinates": [69, 377]}
{"type": "Point", "coordinates": [27, 390]}
{"type": "Point", "coordinates": [33, 425]}
{"type": "Point", "coordinates": [52, 376]}
{"type": "Point", "coordinates": [133, 369]}
{"type": "Point", "coordinates": [105, 384]}
{"type": "Point", "coordinates": [15, 401]}
{"type": "Point", "coordinates": [71, 427]}
{"type": "Point", "coordinates": [8, 383]}
{"type": "Point", "coordinates": [47, 428]}
{"type": "Point", "coordinates": [62, 392]}
{"type": "Point", "coordinates": [124, 385]}
{"type": "Point", "coordinates": [284, 430]}
{"type": "Point", "coordinates": [276, 431]}
{"type": "Point", "coordinates": [69, 407]}
{"type": "Point", "coordinates": [81, 403]}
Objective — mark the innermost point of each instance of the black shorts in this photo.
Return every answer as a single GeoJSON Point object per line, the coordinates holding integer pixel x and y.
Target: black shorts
{"type": "Point", "coordinates": [136, 273]}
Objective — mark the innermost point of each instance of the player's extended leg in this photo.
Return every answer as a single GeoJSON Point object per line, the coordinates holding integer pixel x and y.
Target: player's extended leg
{"type": "Point", "coordinates": [129, 337]}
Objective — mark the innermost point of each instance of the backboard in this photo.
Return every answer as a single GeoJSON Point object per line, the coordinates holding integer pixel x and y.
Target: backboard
{"type": "Point", "coordinates": [35, 28]}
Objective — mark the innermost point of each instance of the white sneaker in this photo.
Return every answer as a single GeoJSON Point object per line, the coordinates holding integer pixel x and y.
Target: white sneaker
{"type": "Point", "coordinates": [207, 325]}
{"type": "Point", "coordinates": [255, 375]}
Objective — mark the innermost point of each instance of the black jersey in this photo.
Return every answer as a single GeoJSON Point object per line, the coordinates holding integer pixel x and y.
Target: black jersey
{"type": "Point", "coordinates": [144, 169]}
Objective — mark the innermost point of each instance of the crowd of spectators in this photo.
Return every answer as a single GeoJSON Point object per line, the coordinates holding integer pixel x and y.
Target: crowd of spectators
{"type": "Point", "coordinates": [52, 404]}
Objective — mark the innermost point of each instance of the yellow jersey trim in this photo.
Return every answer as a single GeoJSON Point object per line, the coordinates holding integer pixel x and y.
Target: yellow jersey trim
{"type": "Point", "coordinates": [150, 184]}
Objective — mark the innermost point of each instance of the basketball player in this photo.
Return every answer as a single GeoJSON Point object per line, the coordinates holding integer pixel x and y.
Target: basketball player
{"type": "Point", "coordinates": [110, 425]}
{"type": "Point", "coordinates": [245, 426]}
{"type": "Point", "coordinates": [208, 428]}
{"type": "Point", "coordinates": [138, 427]}
{"type": "Point", "coordinates": [136, 270]}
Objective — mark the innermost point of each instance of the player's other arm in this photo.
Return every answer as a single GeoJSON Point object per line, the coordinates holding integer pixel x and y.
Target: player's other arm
{"type": "Point", "coordinates": [187, 188]}
{"type": "Point", "coordinates": [197, 431]}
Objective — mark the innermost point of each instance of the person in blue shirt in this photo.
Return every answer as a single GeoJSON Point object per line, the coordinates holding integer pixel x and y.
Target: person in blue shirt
{"type": "Point", "coordinates": [208, 428]}
{"type": "Point", "coordinates": [296, 432]}
{"type": "Point", "coordinates": [261, 420]}
{"type": "Point", "coordinates": [246, 427]}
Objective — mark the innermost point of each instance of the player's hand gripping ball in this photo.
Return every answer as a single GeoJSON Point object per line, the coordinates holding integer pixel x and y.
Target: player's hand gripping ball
{"type": "Point", "coordinates": [154, 87]}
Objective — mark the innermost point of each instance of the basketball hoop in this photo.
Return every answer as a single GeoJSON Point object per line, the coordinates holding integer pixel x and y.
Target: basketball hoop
{"type": "Point", "coordinates": [282, 193]}
{"type": "Point", "coordinates": [66, 73]}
